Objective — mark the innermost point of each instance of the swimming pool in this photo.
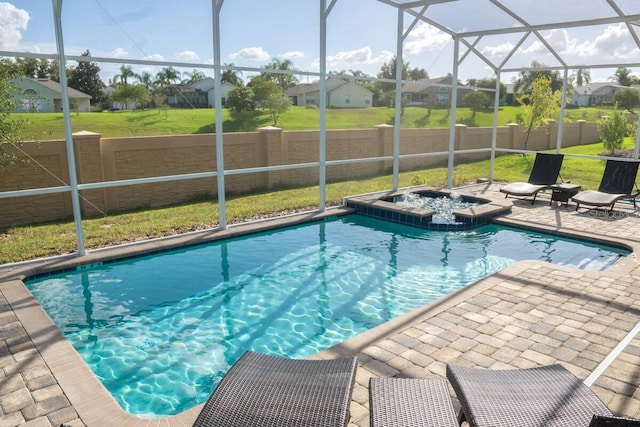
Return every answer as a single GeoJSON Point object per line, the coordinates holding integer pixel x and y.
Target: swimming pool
{"type": "Point", "coordinates": [161, 330]}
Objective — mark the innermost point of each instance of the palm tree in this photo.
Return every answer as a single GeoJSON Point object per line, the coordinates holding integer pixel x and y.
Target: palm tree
{"type": "Point", "coordinates": [524, 81]}
{"type": "Point", "coordinates": [284, 80]}
{"type": "Point", "coordinates": [582, 76]}
{"type": "Point", "coordinates": [193, 76]}
{"type": "Point", "coordinates": [622, 76]}
{"type": "Point", "coordinates": [167, 76]}
{"type": "Point", "coordinates": [146, 79]}
{"type": "Point", "coordinates": [231, 76]}
{"type": "Point", "coordinates": [125, 72]}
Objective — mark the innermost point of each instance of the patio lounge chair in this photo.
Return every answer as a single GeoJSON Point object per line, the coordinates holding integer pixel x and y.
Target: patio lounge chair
{"type": "Point", "coordinates": [618, 181]}
{"type": "Point", "coordinates": [548, 396]}
{"type": "Point", "coordinates": [404, 402]}
{"type": "Point", "coordinates": [605, 421]}
{"type": "Point", "coordinates": [263, 390]}
{"type": "Point", "coordinates": [545, 172]}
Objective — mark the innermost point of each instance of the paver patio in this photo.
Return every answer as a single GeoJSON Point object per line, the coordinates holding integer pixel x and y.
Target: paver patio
{"type": "Point", "coordinates": [529, 314]}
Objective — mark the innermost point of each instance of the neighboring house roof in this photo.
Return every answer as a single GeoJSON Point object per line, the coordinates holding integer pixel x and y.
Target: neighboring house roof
{"type": "Point", "coordinates": [301, 89]}
{"type": "Point", "coordinates": [336, 83]}
{"type": "Point", "coordinates": [421, 85]}
{"type": "Point", "coordinates": [205, 85]}
{"type": "Point", "coordinates": [55, 86]}
{"type": "Point", "coordinates": [593, 88]}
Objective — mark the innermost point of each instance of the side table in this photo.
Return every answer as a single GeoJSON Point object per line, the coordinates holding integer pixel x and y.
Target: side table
{"type": "Point", "coordinates": [563, 192]}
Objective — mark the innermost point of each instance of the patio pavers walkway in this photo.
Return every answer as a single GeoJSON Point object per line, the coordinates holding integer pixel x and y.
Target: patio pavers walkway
{"type": "Point", "coordinates": [529, 314]}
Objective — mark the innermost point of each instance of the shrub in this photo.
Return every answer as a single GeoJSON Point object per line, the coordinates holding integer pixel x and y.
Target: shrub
{"type": "Point", "coordinates": [613, 129]}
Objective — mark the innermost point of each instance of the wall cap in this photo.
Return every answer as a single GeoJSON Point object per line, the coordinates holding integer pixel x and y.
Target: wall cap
{"type": "Point", "coordinates": [86, 133]}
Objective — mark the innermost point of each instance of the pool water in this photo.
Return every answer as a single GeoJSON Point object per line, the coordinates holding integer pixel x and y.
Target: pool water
{"type": "Point", "coordinates": [161, 330]}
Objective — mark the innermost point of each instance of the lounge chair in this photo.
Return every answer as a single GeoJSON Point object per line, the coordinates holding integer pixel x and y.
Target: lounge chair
{"type": "Point", "coordinates": [604, 421]}
{"type": "Point", "coordinates": [545, 172]}
{"type": "Point", "coordinates": [263, 390]}
{"type": "Point", "coordinates": [618, 181]}
{"type": "Point", "coordinates": [548, 396]}
{"type": "Point", "coordinates": [404, 402]}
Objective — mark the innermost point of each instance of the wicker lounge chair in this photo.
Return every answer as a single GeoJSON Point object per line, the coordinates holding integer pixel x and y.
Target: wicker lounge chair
{"type": "Point", "coordinates": [548, 396]}
{"type": "Point", "coordinates": [262, 390]}
{"type": "Point", "coordinates": [404, 402]}
{"type": "Point", "coordinates": [545, 172]}
{"type": "Point", "coordinates": [618, 181]}
{"type": "Point", "coordinates": [605, 421]}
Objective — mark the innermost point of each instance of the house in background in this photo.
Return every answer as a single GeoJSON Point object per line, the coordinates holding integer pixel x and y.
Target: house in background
{"type": "Point", "coordinates": [341, 93]}
{"type": "Point", "coordinates": [435, 92]}
{"type": "Point", "coordinates": [200, 94]}
{"type": "Point", "coordinates": [45, 96]}
{"type": "Point", "coordinates": [207, 85]}
{"type": "Point", "coordinates": [594, 94]}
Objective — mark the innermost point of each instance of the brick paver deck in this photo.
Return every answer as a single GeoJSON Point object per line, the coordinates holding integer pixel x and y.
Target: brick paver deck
{"type": "Point", "coordinates": [529, 314]}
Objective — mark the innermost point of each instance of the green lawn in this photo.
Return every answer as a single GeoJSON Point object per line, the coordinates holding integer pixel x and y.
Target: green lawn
{"type": "Point", "coordinates": [44, 126]}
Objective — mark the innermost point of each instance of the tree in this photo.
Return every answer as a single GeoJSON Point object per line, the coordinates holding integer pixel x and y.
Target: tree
{"type": "Point", "coordinates": [137, 93]}
{"type": "Point", "coordinates": [539, 105]}
{"type": "Point", "coordinates": [622, 76]}
{"type": "Point", "coordinates": [523, 83]}
{"type": "Point", "coordinates": [145, 78]}
{"type": "Point", "coordinates": [231, 76]}
{"type": "Point", "coordinates": [28, 67]}
{"type": "Point", "coordinates": [276, 104]}
{"type": "Point", "coordinates": [582, 76]}
{"type": "Point", "coordinates": [627, 99]}
{"type": "Point", "coordinates": [241, 99]}
{"type": "Point", "coordinates": [84, 77]}
{"type": "Point", "coordinates": [418, 73]}
{"type": "Point", "coordinates": [125, 72]}
{"type": "Point", "coordinates": [476, 100]}
{"type": "Point", "coordinates": [166, 76]}
{"type": "Point", "coordinates": [263, 88]}
{"type": "Point", "coordinates": [193, 76]}
{"type": "Point", "coordinates": [285, 80]}
{"type": "Point", "coordinates": [613, 129]}
{"type": "Point", "coordinates": [10, 128]}
{"type": "Point", "coordinates": [488, 83]}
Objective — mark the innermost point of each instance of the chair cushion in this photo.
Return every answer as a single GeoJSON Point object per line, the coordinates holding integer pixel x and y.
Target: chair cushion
{"type": "Point", "coordinates": [549, 396]}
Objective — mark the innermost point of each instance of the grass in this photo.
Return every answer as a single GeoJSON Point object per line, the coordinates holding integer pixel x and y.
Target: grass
{"type": "Point", "coordinates": [35, 241]}
{"type": "Point", "coordinates": [46, 126]}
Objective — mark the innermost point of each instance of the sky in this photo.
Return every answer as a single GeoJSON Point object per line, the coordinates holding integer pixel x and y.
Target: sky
{"type": "Point", "coordinates": [361, 34]}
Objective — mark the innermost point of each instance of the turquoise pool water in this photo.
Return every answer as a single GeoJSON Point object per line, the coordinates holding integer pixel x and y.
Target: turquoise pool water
{"type": "Point", "coordinates": [161, 330]}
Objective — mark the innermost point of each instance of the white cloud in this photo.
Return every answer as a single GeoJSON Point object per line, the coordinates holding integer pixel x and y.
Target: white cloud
{"type": "Point", "coordinates": [425, 37]}
{"type": "Point", "coordinates": [118, 53]}
{"type": "Point", "coordinates": [614, 42]}
{"type": "Point", "coordinates": [362, 56]}
{"type": "Point", "coordinates": [251, 54]}
{"type": "Point", "coordinates": [296, 54]}
{"type": "Point", "coordinates": [187, 54]}
{"type": "Point", "coordinates": [500, 50]}
{"type": "Point", "coordinates": [13, 22]}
